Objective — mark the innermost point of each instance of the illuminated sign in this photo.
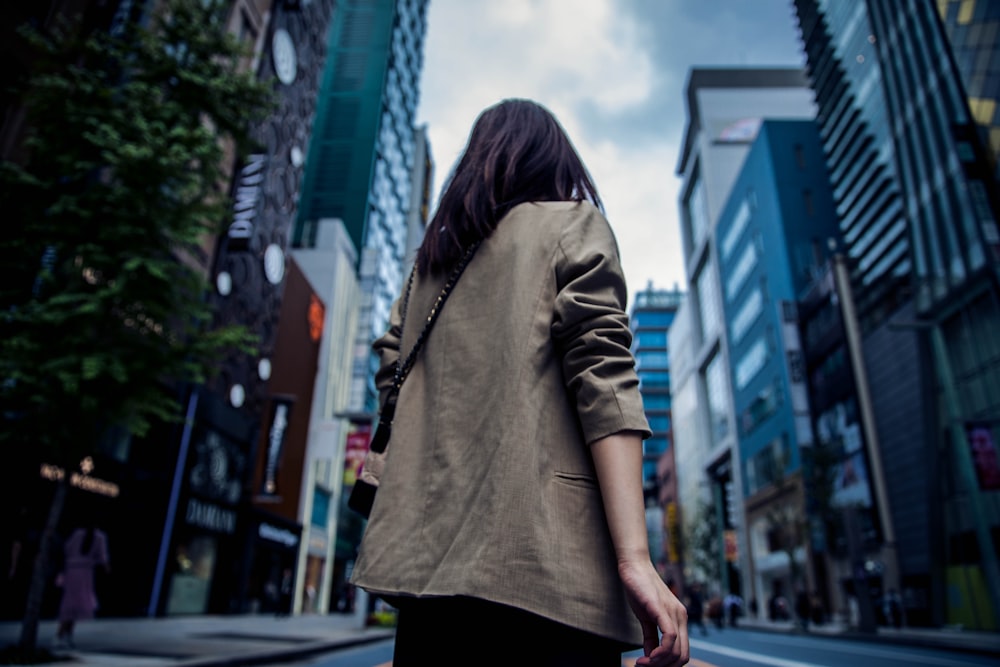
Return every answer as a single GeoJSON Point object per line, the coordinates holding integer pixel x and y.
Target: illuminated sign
{"type": "Point", "coordinates": [279, 535]}
{"type": "Point", "coordinates": [81, 480]}
{"type": "Point", "coordinates": [208, 515]}
{"type": "Point", "coordinates": [280, 414]}
{"type": "Point", "coordinates": [315, 317]}
{"type": "Point", "coordinates": [732, 548]}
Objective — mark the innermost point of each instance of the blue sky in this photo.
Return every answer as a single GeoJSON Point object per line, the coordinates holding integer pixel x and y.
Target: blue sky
{"type": "Point", "coordinates": [613, 72]}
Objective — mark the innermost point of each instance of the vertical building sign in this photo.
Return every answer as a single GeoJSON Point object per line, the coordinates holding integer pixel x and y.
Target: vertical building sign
{"type": "Point", "coordinates": [281, 409]}
{"type": "Point", "coordinates": [354, 456]}
{"type": "Point", "coordinates": [984, 455]}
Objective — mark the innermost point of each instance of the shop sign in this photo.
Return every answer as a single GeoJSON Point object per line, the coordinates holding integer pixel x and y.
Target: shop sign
{"type": "Point", "coordinates": [210, 516]}
{"type": "Point", "coordinates": [673, 526]}
{"type": "Point", "coordinates": [984, 455]}
{"type": "Point", "coordinates": [732, 549]}
{"type": "Point", "coordinates": [81, 480]}
{"type": "Point", "coordinates": [275, 534]}
{"type": "Point", "coordinates": [245, 199]}
{"type": "Point", "coordinates": [355, 451]}
{"type": "Point", "coordinates": [280, 412]}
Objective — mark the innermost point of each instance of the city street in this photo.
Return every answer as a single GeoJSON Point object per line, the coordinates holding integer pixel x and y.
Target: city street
{"type": "Point", "coordinates": [733, 648]}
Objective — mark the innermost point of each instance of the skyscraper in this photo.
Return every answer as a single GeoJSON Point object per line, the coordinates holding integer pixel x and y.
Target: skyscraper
{"type": "Point", "coordinates": [362, 154]}
{"type": "Point", "coordinates": [651, 316]}
{"type": "Point", "coordinates": [908, 89]}
{"type": "Point", "coordinates": [725, 109]}
{"type": "Point", "coordinates": [771, 234]}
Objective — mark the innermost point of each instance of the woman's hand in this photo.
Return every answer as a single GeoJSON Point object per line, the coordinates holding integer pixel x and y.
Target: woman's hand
{"type": "Point", "coordinates": [663, 617]}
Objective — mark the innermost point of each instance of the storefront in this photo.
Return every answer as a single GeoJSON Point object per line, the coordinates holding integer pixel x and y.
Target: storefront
{"type": "Point", "coordinates": [207, 518]}
{"type": "Point", "coordinates": [272, 551]}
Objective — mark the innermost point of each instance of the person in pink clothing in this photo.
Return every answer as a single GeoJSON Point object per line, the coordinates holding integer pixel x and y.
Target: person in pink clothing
{"type": "Point", "coordinates": [85, 550]}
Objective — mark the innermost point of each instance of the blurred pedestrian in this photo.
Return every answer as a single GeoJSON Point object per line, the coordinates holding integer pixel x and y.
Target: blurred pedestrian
{"type": "Point", "coordinates": [696, 608]}
{"type": "Point", "coordinates": [285, 590]}
{"type": "Point", "coordinates": [85, 549]}
{"type": "Point", "coordinates": [733, 605]}
{"type": "Point", "coordinates": [511, 498]}
{"type": "Point", "coordinates": [715, 611]}
{"type": "Point", "coordinates": [892, 609]}
{"type": "Point", "coordinates": [818, 614]}
{"type": "Point", "coordinates": [803, 609]}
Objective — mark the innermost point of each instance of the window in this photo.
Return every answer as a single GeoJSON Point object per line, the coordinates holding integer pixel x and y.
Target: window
{"type": "Point", "coordinates": [765, 466]}
{"type": "Point", "coordinates": [739, 223]}
{"type": "Point", "coordinates": [747, 315]}
{"type": "Point", "coordinates": [745, 264]}
{"type": "Point", "coordinates": [654, 446]}
{"type": "Point", "coordinates": [656, 401]}
{"type": "Point", "coordinates": [715, 385]}
{"type": "Point", "coordinates": [659, 423]}
{"type": "Point", "coordinates": [751, 363]}
{"type": "Point", "coordinates": [654, 379]}
{"type": "Point", "coordinates": [706, 287]}
{"type": "Point", "coordinates": [651, 338]}
{"type": "Point", "coordinates": [655, 360]}
{"type": "Point", "coordinates": [697, 212]}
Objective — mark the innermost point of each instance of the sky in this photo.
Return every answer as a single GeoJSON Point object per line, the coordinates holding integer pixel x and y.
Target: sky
{"type": "Point", "coordinates": [614, 73]}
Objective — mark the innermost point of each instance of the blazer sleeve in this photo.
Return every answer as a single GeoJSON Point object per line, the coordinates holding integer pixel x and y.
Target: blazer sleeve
{"type": "Point", "coordinates": [387, 347]}
{"type": "Point", "coordinates": [591, 332]}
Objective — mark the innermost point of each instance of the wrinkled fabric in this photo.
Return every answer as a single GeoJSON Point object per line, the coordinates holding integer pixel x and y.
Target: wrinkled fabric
{"type": "Point", "coordinates": [489, 489]}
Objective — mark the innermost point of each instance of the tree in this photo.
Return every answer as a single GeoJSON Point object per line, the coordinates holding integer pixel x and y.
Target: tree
{"type": "Point", "coordinates": [103, 311]}
{"type": "Point", "coordinates": [703, 543]}
{"type": "Point", "coordinates": [790, 517]}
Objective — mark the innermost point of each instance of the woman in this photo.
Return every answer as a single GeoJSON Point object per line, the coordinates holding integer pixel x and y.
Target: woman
{"type": "Point", "coordinates": [509, 521]}
{"type": "Point", "coordinates": [86, 549]}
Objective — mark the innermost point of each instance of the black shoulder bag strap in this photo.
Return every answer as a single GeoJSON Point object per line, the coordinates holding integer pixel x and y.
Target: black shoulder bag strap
{"type": "Point", "coordinates": [403, 366]}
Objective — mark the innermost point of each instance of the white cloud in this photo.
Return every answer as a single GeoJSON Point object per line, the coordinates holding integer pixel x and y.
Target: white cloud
{"type": "Point", "coordinates": [596, 63]}
{"type": "Point", "coordinates": [567, 55]}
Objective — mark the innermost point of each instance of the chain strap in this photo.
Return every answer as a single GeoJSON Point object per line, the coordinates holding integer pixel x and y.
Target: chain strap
{"type": "Point", "coordinates": [388, 411]}
{"type": "Point", "coordinates": [403, 368]}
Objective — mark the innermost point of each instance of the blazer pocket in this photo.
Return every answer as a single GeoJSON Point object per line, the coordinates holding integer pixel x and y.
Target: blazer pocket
{"type": "Point", "coordinates": [576, 479]}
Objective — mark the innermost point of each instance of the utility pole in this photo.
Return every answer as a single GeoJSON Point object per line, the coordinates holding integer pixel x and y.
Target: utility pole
{"type": "Point", "coordinates": [853, 334]}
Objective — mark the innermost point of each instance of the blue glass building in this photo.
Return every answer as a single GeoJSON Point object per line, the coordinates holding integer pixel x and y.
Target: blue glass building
{"type": "Point", "coordinates": [652, 314]}
{"type": "Point", "coordinates": [771, 235]}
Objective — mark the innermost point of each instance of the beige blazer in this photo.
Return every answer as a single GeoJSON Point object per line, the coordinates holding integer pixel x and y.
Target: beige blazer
{"type": "Point", "coordinates": [489, 488]}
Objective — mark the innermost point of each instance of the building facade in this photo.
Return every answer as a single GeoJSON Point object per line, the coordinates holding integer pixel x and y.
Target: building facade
{"type": "Point", "coordinates": [264, 395]}
{"type": "Point", "coordinates": [201, 515]}
{"type": "Point", "coordinates": [771, 235]}
{"type": "Point", "coordinates": [362, 156]}
{"type": "Point", "coordinates": [651, 316]}
{"type": "Point", "coordinates": [913, 83]}
{"type": "Point", "coordinates": [716, 142]}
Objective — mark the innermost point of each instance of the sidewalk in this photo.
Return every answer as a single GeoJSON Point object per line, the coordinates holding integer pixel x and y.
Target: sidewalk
{"type": "Point", "coordinates": [987, 643]}
{"type": "Point", "coordinates": [237, 641]}
{"type": "Point", "coordinates": [202, 641]}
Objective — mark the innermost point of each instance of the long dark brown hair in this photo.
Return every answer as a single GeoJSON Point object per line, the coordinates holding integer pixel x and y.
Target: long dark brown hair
{"type": "Point", "coordinates": [517, 152]}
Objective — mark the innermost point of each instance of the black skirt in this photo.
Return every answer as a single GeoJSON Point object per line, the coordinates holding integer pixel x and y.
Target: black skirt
{"type": "Point", "coordinates": [467, 631]}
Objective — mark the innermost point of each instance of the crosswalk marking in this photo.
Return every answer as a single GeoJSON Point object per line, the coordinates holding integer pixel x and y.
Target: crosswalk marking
{"type": "Point", "coordinates": [694, 662]}
{"type": "Point", "coordinates": [759, 658]}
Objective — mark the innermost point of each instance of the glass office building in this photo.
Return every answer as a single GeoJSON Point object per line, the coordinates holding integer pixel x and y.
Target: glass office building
{"type": "Point", "coordinates": [362, 154]}
{"type": "Point", "coordinates": [651, 317]}
{"type": "Point", "coordinates": [725, 109]}
{"type": "Point", "coordinates": [924, 250]}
